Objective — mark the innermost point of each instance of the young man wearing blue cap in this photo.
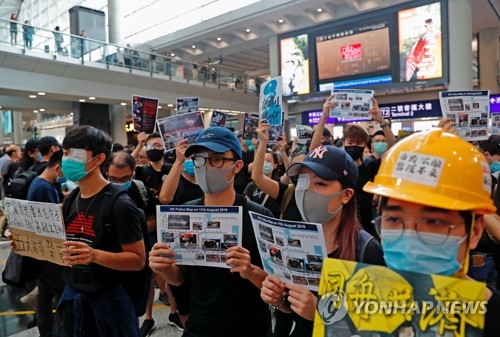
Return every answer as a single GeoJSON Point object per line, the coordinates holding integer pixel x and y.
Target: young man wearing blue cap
{"type": "Point", "coordinates": [224, 302]}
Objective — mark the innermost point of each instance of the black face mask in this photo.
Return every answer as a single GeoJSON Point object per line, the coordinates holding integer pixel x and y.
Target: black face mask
{"type": "Point", "coordinates": [155, 155]}
{"type": "Point", "coordinates": [354, 151]}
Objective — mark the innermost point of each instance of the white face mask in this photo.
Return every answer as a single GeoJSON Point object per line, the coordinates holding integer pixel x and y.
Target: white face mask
{"type": "Point", "coordinates": [211, 179]}
{"type": "Point", "coordinates": [313, 206]}
{"type": "Point", "coordinates": [268, 168]}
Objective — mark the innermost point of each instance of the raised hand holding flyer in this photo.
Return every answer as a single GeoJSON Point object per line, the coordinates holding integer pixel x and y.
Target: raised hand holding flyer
{"type": "Point", "coordinates": [351, 103]}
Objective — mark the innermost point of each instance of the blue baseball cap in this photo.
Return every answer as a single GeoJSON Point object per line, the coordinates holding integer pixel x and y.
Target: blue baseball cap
{"type": "Point", "coordinates": [216, 139]}
{"type": "Point", "coordinates": [329, 163]}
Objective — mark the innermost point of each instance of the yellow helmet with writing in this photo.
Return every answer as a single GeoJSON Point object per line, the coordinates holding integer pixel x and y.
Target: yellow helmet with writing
{"type": "Point", "coordinates": [435, 168]}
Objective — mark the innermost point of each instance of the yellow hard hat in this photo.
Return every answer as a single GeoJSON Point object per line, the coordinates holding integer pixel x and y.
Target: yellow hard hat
{"type": "Point", "coordinates": [435, 168]}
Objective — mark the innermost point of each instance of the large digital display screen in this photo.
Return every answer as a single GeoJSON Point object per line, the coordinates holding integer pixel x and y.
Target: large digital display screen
{"type": "Point", "coordinates": [399, 47]}
{"type": "Point", "coordinates": [354, 51]}
{"type": "Point", "coordinates": [295, 65]}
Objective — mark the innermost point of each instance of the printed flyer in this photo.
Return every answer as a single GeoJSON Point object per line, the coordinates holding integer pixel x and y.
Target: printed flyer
{"type": "Point", "coordinates": [470, 110]}
{"type": "Point", "coordinates": [177, 127]}
{"type": "Point", "coordinates": [290, 249]}
{"type": "Point", "coordinates": [218, 118]}
{"type": "Point", "coordinates": [200, 235]}
{"type": "Point", "coordinates": [187, 104]}
{"type": "Point", "coordinates": [351, 103]}
{"type": "Point", "coordinates": [144, 113]}
{"type": "Point", "coordinates": [304, 132]}
{"type": "Point", "coordinates": [357, 299]}
{"type": "Point", "coordinates": [250, 126]}
{"type": "Point", "coordinates": [271, 101]}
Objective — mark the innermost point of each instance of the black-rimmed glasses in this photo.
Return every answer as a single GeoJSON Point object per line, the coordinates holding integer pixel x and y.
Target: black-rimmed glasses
{"type": "Point", "coordinates": [200, 160]}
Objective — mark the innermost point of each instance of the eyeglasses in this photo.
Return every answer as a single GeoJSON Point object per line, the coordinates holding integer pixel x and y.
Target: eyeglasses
{"type": "Point", "coordinates": [423, 227]}
{"type": "Point", "coordinates": [120, 180]}
{"type": "Point", "coordinates": [155, 146]}
{"type": "Point", "coordinates": [200, 160]}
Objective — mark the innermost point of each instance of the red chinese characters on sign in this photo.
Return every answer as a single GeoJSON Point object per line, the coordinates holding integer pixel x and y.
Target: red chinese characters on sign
{"type": "Point", "coordinates": [351, 52]}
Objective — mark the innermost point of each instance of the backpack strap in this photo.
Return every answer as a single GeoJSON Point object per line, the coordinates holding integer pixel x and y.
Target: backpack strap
{"type": "Point", "coordinates": [364, 238]}
{"type": "Point", "coordinates": [287, 196]}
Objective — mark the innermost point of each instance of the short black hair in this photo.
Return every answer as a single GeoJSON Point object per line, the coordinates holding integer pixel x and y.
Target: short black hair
{"type": "Point", "coordinates": [117, 147]}
{"type": "Point", "coordinates": [89, 138]}
{"type": "Point", "coordinates": [55, 159]}
{"type": "Point", "coordinates": [491, 145]}
{"type": "Point", "coordinates": [153, 135]}
{"type": "Point", "coordinates": [120, 160]}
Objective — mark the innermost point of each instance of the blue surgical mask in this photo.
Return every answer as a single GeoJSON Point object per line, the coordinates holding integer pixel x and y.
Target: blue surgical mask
{"type": "Point", "coordinates": [127, 185]}
{"type": "Point", "coordinates": [39, 157]}
{"type": "Point", "coordinates": [268, 168]}
{"type": "Point", "coordinates": [495, 166]}
{"type": "Point", "coordinates": [380, 148]}
{"type": "Point", "coordinates": [74, 170]}
{"type": "Point", "coordinates": [248, 142]}
{"type": "Point", "coordinates": [408, 252]}
{"type": "Point", "coordinates": [251, 148]}
{"type": "Point", "coordinates": [189, 167]}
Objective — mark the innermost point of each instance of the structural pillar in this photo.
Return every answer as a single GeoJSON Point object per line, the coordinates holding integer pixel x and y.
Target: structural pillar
{"type": "Point", "coordinates": [460, 41]}
{"type": "Point", "coordinates": [17, 117]}
{"type": "Point", "coordinates": [114, 21]}
{"type": "Point", "coordinates": [488, 60]}
{"type": "Point", "coordinates": [118, 121]}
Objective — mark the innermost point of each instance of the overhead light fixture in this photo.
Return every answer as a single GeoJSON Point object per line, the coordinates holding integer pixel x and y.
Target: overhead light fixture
{"type": "Point", "coordinates": [41, 110]}
{"type": "Point", "coordinates": [159, 106]}
{"type": "Point", "coordinates": [281, 21]}
{"type": "Point", "coordinates": [35, 111]}
{"type": "Point", "coordinates": [0, 106]}
{"type": "Point", "coordinates": [123, 103]}
{"type": "Point", "coordinates": [219, 38]}
{"type": "Point", "coordinates": [41, 93]}
{"type": "Point", "coordinates": [193, 46]}
{"type": "Point", "coordinates": [248, 30]}
{"type": "Point", "coordinates": [172, 54]}
{"type": "Point", "coordinates": [170, 105]}
{"type": "Point", "coordinates": [32, 96]}
{"type": "Point", "coordinates": [71, 114]}
{"type": "Point", "coordinates": [81, 100]}
{"type": "Point", "coordinates": [319, 10]}
{"type": "Point", "coordinates": [92, 98]}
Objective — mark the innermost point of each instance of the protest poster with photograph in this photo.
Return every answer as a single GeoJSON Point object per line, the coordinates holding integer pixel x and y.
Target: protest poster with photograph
{"type": "Point", "coordinates": [177, 127]}
{"type": "Point", "coordinates": [275, 133]}
{"type": "Point", "coordinates": [200, 235]}
{"type": "Point", "coordinates": [304, 132]}
{"type": "Point", "coordinates": [144, 113]}
{"type": "Point", "coordinates": [470, 110]}
{"type": "Point", "coordinates": [351, 103]}
{"type": "Point", "coordinates": [495, 124]}
{"type": "Point", "coordinates": [187, 104]}
{"type": "Point", "coordinates": [250, 125]}
{"type": "Point", "coordinates": [292, 250]}
{"type": "Point", "coordinates": [37, 229]}
{"type": "Point", "coordinates": [369, 300]}
{"type": "Point", "coordinates": [218, 118]}
{"type": "Point", "coordinates": [271, 101]}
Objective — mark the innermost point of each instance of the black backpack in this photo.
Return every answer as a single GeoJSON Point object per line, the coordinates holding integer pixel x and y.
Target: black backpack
{"type": "Point", "coordinates": [18, 187]}
{"type": "Point", "coordinates": [135, 283]}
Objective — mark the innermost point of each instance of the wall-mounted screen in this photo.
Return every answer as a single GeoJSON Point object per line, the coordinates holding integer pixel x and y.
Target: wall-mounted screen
{"type": "Point", "coordinates": [7, 122]}
{"type": "Point", "coordinates": [354, 51]}
{"type": "Point", "coordinates": [295, 65]}
{"type": "Point", "coordinates": [420, 43]}
{"type": "Point", "coordinates": [399, 47]}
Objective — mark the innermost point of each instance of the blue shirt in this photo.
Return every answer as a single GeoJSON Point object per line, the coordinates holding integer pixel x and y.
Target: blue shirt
{"type": "Point", "coordinates": [43, 191]}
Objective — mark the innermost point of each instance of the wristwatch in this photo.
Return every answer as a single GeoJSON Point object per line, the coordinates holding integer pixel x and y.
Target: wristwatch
{"type": "Point", "coordinates": [383, 125]}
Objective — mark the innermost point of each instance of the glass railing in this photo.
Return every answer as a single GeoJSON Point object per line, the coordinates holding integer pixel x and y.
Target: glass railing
{"type": "Point", "coordinates": [67, 47]}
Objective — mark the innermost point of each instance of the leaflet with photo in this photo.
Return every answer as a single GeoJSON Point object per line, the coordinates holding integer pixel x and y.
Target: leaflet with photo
{"type": "Point", "coordinates": [187, 104]}
{"type": "Point", "coordinates": [271, 101]}
{"type": "Point", "coordinates": [144, 113]}
{"type": "Point", "coordinates": [37, 229]}
{"type": "Point", "coordinates": [357, 299]}
{"type": "Point", "coordinates": [495, 124]}
{"type": "Point", "coordinates": [250, 125]}
{"type": "Point", "coordinates": [351, 103]}
{"type": "Point", "coordinates": [292, 250]}
{"type": "Point", "coordinates": [470, 110]}
{"type": "Point", "coordinates": [200, 235]}
{"type": "Point", "coordinates": [177, 127]}
{"type": "Point", "coordinates": [218, 118]}
{"type": "Point", "coordinates": [304, 132]}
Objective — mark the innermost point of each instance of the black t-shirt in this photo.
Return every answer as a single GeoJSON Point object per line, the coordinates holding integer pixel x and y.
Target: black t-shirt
{"type": "Point", "coordinates": [85, 227]}
{"type": "Point", "coordinates": [492, 319]}
{"type": "Point", "coordinates": [367, 172]}
{"type": "Point", "coordinates": [39, 167]}
{"type": "Point", "coordinates": [186, 191]}
{"type": "Point", "coordinates": [222, 303]}
{"type": "Point", "coordinates": [242, 179]}
{"type": "Point", "coordinates": [152, 178]}
{"type": "Point", "coordinates": [291, 212]}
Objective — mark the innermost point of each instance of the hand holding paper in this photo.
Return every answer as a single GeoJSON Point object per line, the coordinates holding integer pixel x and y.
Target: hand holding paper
{"type": "Point", "coordinates": [238, 259]}
{"type": "Point", "coordinates": [77, 253]}
{"type": "Point", "coordinates": [272, 290]}
{"type": "Point", "coordinates": [161, 257]}
{"type": "Point", "coordinates": [302, 301]}
{"type": "Point", "coordinates": [262, 131]}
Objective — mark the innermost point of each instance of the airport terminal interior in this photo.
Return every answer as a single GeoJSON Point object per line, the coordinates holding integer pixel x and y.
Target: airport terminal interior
{"type": "Point", "coordinates": [85, 60]}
